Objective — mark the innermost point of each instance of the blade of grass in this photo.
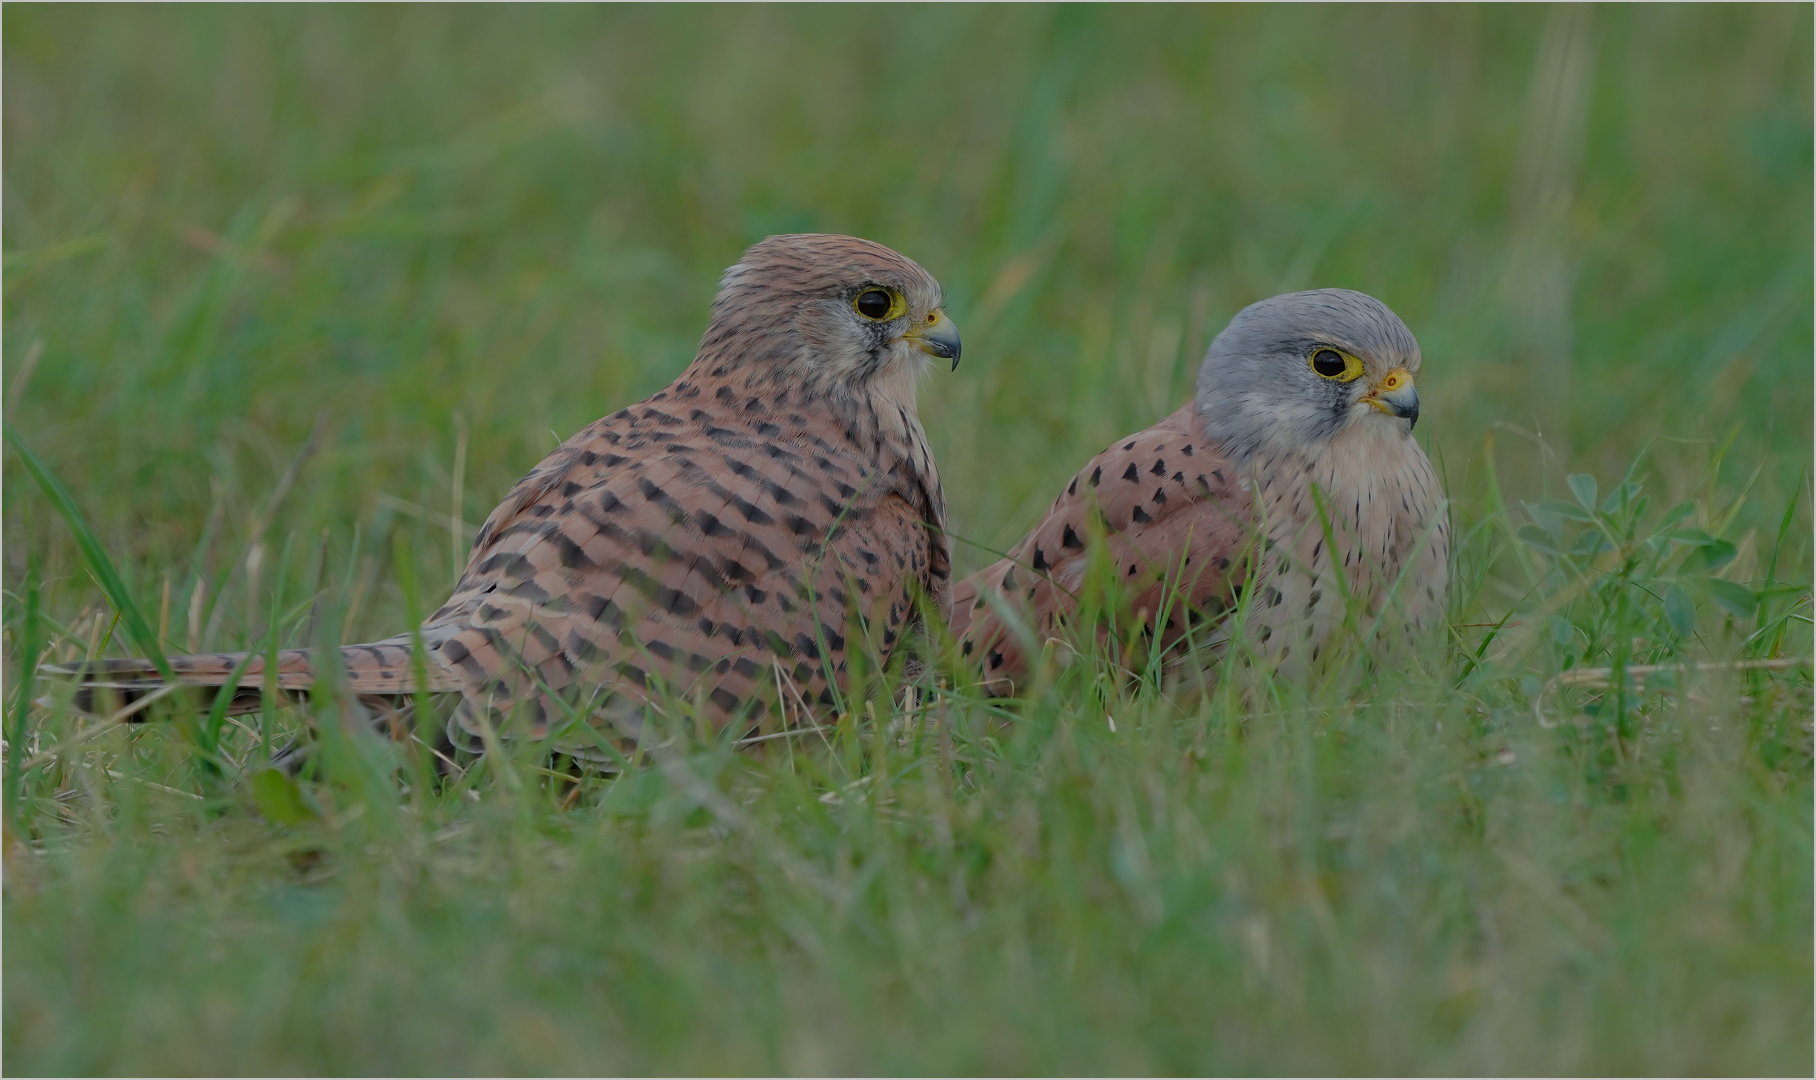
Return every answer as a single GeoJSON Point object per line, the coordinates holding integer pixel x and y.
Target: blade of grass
{"type": "Point", "coordinates": [269, 691]}
{"type": "Point", "coordinates": [1784, 527]}
{"type": "Point", "coordinates": [30, 648]}
{"type": "Point", "coordinates": [94, 555]}
{"type": "Point", "coordinates": [223, 697]}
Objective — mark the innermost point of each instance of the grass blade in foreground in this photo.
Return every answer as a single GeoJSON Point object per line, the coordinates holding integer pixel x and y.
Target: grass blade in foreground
{"type": "Point", "coordinates": [94, 555]}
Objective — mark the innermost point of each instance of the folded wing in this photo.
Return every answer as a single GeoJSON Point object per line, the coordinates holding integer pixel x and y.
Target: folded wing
{"type": "Point", "coordinates": [1175, 525]}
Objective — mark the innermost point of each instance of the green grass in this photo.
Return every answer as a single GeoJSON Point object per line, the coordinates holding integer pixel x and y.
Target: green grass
{"type": "Point", "coordinates": [452, 236]}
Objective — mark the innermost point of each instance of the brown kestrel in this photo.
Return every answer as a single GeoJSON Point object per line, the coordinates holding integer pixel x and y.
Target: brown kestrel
{"type": "Point", "coordinates": [1293, 475]}
{"type": "Point", "coordinates": [735, 538]}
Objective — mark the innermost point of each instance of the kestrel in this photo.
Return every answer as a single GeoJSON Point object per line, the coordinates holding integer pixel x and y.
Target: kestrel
{"type": "Point", "coordinates": [735, 537]}
{"type": "Point", "coordinates": [1292, 474]}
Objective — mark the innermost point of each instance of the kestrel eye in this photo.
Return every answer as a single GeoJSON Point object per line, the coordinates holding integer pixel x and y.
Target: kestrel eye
{"type": "Point", "coordinates": [874, 304]}
{"type": "Point", "coordinates": [1334, 365]}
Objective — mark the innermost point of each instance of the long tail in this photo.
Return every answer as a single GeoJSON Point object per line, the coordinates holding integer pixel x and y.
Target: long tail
{"type": "Point", "coordinates": [381, 667]}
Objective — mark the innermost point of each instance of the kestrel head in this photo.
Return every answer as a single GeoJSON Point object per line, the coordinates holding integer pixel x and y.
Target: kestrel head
{"type": "Point", "coordinates": [826, 310]}
{"type": "Point", "coordinates": [1291, 372]}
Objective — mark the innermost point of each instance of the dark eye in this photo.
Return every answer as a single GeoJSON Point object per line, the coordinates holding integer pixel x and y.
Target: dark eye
{"type": "Point", "coordinates": [1328, 363]}
{"type": "Point", "coordinates": [873, 304]}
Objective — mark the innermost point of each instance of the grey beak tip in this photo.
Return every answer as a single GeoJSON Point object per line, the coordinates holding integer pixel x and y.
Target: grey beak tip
{"type": "Point", "coordinates": [942, 341]}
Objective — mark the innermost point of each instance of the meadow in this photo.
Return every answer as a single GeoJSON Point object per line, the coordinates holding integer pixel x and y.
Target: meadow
{"type": "Point", "coordinates": [292, 295]}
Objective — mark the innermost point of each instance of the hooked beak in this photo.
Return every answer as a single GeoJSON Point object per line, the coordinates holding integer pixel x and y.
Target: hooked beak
{"type": "Point", "coordinates": [937, 336]}
{"type": "Point", "coordinates": [1395, 396]}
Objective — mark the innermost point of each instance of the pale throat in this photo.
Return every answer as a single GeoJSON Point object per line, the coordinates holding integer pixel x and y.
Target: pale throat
{"type": "Point", "coordinates": [1369, 450]}
{"type": "Point", "coordinates": [900, 376]}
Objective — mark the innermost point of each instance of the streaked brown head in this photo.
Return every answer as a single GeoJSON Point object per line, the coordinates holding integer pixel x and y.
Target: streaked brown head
{"type": "Point", "coordinates": [829, 311]}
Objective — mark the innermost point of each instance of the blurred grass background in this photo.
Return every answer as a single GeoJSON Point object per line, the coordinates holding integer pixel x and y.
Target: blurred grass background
{"type": "Point", "coordinates": [458, 234]}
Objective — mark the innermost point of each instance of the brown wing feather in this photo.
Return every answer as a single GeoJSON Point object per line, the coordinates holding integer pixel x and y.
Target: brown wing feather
{"type": "Point", "coordinates": [702, 547]}
{"type": "Point", "coordinates": [698, 543]}
{"type": "Point", "coordinates": [1175, 520]}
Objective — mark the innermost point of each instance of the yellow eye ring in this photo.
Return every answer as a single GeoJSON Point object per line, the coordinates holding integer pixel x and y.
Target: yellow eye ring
{"type": "Point", "coordinates": [878, 304]}
{"type": "Point", "coordinates": [1334, 364]}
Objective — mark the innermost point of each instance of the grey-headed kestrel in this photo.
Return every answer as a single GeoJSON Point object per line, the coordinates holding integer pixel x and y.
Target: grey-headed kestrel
{"type": "Point", "coordinates": [1293, 475]}
{"type": "Point", "coordinates": [736, 537]}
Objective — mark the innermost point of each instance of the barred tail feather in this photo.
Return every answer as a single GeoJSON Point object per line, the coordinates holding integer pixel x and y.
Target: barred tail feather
{"type": "Point", "coordinates": [380, 667]}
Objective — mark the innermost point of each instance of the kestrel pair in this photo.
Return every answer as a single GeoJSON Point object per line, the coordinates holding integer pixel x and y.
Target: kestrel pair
{"type": "Point", "coordinates": [740, 537]}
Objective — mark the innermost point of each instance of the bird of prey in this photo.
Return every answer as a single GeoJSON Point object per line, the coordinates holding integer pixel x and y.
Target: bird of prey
{"type": "Point", "coordinates": [1293, 474]}
{"type": "Point", "coordinates": [736, 537]}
